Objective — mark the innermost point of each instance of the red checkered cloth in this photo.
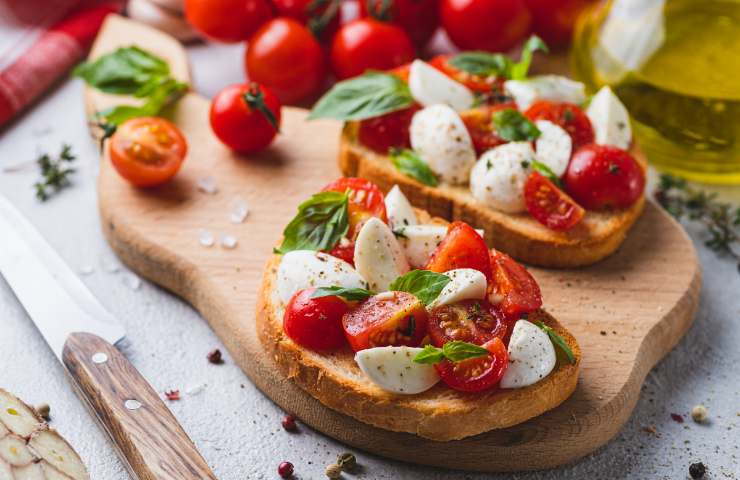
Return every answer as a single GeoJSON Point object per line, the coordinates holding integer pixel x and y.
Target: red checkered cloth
{"type": "Point", "coordinates": [40, 42]}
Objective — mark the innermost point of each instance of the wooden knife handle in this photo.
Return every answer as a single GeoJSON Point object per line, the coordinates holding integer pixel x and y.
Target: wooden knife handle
{"type": "Point", "coordinates": [152, 442]}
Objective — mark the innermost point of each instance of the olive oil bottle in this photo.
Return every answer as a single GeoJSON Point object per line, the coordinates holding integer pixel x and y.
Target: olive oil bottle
{"type": "Point", "coordinates": [676, 66]}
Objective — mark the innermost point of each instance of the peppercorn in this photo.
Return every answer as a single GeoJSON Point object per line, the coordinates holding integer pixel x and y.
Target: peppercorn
{"type": "Point", "coordinates": [215, 357]}
{"type": "Point", "coordinates": [289, 423]}
{"type": "Point", "coordinates": [333, 471]}
{"type": "Point", "coordinates": [347, 461]}
{"type": "Point", "coordinates": [697, 470]}
{"type": "Point", "coordinates": [699, 413]}
{"type": "Point", "coordinates": [43, 410]}
{"type": "Point", "coordinates": [285, 469]}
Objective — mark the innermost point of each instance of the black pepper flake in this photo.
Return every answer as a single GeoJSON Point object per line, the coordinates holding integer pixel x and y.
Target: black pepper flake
{"type": "Point", "coordinates": [215, 357]}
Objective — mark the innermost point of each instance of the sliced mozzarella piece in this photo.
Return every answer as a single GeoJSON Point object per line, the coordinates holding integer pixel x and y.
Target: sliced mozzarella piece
{"type": "Point", "coordinates": [553, 146]}
{"type": "Point", "coordinates": [531, 356]}
{"type": "Point", "coordinates": [393, 369]}
{"type": "Point", "coordinates": [439, 136]}
{"type": "Point", "coordinates": [610, 119]}
{"type": "Point", "coordinates": [545, 87]}
{"type": "Point", "coordinates": [420, 241]}
{"type": "Point", "coordinates": [465, 284]}
{"type": "Point", "coordinates": [399, 210]}
{"type": "Point", "coordinates": [429, 86]}
{"type": "Point", "coordinates": [497, 180]}
{"type": "Point", "coordinates": [301, 269]}
{"type": "Point", "coordinates": [378, 256]}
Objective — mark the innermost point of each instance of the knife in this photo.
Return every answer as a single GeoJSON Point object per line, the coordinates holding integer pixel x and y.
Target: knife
{"type": "Point", "coordinates": [82, 335]}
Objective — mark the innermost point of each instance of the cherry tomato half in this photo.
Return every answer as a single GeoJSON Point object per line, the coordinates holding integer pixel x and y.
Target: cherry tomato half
{"type": "Point", "coordinates": [315, 323]}
{"type": "Point", "coordinates": [487, 85]}
{"type": "Point", "coordinates": [604, 176]}
{"type": "Point", "coordinates": [395, 318]}
{"type": "Point", "coordinates": [365, 201]}
{"type": "Point", "coordinates": [479, 122]}
{"type": "Point", "coordinates": [147, 151]}
{"type": "Point", "coordinates": [344, 250]}
{"type": "Point", "coordinates": [513, 289]}
{"type": "Point", "coordinates": [387, 131]}
{"type": "Point", "coordinates": [494, 25]}
{"type": "Point", "coordinates": [419, 18]}
{"type": "Point", "coordinates": [549, 205]}
{"type": "Point", "coordinates": [462, 247]}
{"type": "Point", "coordinates": [476, 374]}
{"type": "Point", "coordinates": [472, 321]}
{"type": "Point", "coordinates": [245, 117]}
{"type": "Point", "coordinates": [284, 56]}
{"type": "Point", "coordinates": [367, 44]}
{"type": "Point", "coordinates": [321, 17]}
{"type": "Point", "coordinates": [227, 20]}
{"type": "Point", "coordinates": [568, 116]}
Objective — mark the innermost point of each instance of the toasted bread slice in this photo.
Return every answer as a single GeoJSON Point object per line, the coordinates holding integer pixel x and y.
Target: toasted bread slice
{"type": "Point", "coordinates": [440, 413]}
{"type": "Point", "coordinates": [597, 236]}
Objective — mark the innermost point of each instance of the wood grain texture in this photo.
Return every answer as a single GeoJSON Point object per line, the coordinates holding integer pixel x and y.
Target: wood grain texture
{"type": "Point", "coordinates": [149, 438]}
{"type": "Point", "coordinates": [626, 312]}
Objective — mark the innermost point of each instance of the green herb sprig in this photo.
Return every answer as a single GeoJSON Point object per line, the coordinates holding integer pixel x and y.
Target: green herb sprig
{"type": "Point", "coordinates": [546, 172]}
{"type": "Point", "coordinates": [454, 351]}
{"type": "Point", "coordinates": [486, 64]}
{"type": "Point", "coordinates": [349, 294]}
{"type": "Point", "coordinates": [55, 172]}
{"type": "Point", "coordinates": [558, 341]}
{"type": "Point", "coordinates": [511, 125]}
{"type": "Point", "coordinates": [409, 162]}
{"type": "Point", "coordinates": [321, 222]}
{"type": "Point", "coordinates": [424, 284]}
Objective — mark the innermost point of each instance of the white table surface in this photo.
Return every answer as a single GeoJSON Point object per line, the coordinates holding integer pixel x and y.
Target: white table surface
{"type": "Point", "coordinates": [238, 429]}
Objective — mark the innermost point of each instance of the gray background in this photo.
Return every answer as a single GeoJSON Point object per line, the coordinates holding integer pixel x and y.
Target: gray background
{"type": "Point", "coordinates": [235, 427]}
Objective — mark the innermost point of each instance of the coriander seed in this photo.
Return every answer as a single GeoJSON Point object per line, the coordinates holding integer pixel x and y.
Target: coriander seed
{"type": "Point", "coordinates": [697, 470]}
{"type": "Point", "coordinates": [347, 461]}
{"type": "Point", "coordinates": [333, 471]}
{"type": "Point", "coordinates": [699, 413]}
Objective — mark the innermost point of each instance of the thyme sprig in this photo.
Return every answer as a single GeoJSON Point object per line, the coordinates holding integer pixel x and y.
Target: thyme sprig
{"type": "Point", "coordinates": [721, 220]}
{"type": "Point", "coordinates": [55, 172]}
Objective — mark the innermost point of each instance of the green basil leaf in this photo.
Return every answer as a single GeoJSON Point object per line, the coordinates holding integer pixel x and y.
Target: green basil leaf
{"type": "Point", "coordinates": [483, 64]}
{"type": "Point", "coordinates": [320, 223]}
{"type": "Point", "coordinates": [165, 93]}
{"type": "Point", "coordinates": [369, 95]}
{"type": "Point", "coordinates": [349, 294]}
{"type": "Point", "coordinates": [558, 341]}
{"type": "Point", "coordinates": [425, 285]}
{"type": "Point", "coordinates": [519, 70]}
{"type": "Point", "coordinates": [409, 162]}
{"type": "Point", "coordinates": [511, 125]}
{"type": "Point", "coordinates": [546, 172]}
{"type": "Point", "coordinates": [124, 71]}
{"type": "Point", "coordinates": [457, 351]}
{"type": "Point", "coordinates": [429, 355]}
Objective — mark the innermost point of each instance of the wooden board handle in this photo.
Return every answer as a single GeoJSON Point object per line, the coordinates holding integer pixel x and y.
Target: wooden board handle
{"type": "Point", "coordinates": [152, 442]}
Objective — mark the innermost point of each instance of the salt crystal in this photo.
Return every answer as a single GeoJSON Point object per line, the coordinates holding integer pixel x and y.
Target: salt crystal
{"type": "Point", "coordinates": [196, 389]}
{"type": "Point", "coordinates": [228, 241]}
{"type": "Point", "coordinates": [205, 238]}
{"type": "Point", "coordinates": [207, 185]}
{"type": "Point", "coordinates": [239, 210]}
{"type": "Point", "coordinates": [110, 265]}
{"type": "Point", "coordinates": [86, 270]}
{"type": "Point", "coordinates": [132, 281]}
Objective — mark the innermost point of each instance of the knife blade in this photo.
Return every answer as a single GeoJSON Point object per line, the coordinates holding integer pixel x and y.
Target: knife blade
{"type": "Point", "coordinates": [82, 334]}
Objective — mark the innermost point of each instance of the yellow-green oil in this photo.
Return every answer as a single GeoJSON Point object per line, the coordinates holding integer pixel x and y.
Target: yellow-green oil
{"type": "Point", "coordinates": [676, 66]}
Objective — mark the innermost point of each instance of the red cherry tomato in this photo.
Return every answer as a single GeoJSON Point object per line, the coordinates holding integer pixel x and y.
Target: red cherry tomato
{"type": "Point", "coordinates": [513, 289]}
{"type": "Point", "coordinates": [472, 321]}
{"type": "Point", "coordinates": [476, 374]}
{"type": "Point", "coordinates": [382, 320]}
{"type": "Point", "coordinates": [315, 323]}
{"type": "Point", "coordinates": [493, 25]}
{"type": "Point", "coordinates": [554, 21]}
{"type": "Point", "coordinates": [285, 57]}
{"type": "Point", "coordinates": [324, 16]}
{"type": "Point", "coordinates": [147, 151]}
{"type": "Point", "coordinates": [604, 176]}
{"type": "Point", "coordinates": [227, 20]}
{"type": "Point", "coordinates": [549, 205]}
{"type": "Point", "coordinates": [487, 85]}
{"type": "Point", "coordinates": [367, 44]}
{"type": "Point", "coordinates": [245, 117]}
{"type": "Point", "coordinates": [419, 18]}
{"type": "Point", "coordinates": [462, 247]}
{"type": "Point", "coordinates": [479, 123]}
{"type": "Point", "coordinates": [365, 201]}
{"type": "Point", "coordinates": [566, 115]}
{"type": "Point", "coordinates": [387, 131]}
{"type": "Point", "coordinates": [344, 251]}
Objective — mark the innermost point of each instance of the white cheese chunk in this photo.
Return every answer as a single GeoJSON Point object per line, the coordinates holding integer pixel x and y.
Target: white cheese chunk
{"type": "Point", "coordinates": [545, 87]}
{"type": "Point", "coordinates": [497, 180]}
{"type": "Point", "coordinates": [301, 269]}
{"type": "Point", "coordinates": [465, 284]}
{"type": "Point", "coordinates": [378, 256]}
{"type": "Point", "coordinates": [531, 356]}
{"type": "Point", "coordinates": [429, 86]}
{"type": "Point", "coordinates": [609, 119]}
{"type": "Point", "coordinates": [553, 146]}
{"type": "Point", "coordinates": [399, 209]}
{"type": "Point", "coordinates": [393, 369]}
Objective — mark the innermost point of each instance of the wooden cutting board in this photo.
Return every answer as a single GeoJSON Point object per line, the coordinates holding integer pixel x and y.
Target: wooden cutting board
{"type": "Point", "coordinates": [627, 312]}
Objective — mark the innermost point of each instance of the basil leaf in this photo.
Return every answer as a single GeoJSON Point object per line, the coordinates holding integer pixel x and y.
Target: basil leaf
{"type": "Point", "coordinates": [519, 70]}
{"type": "Point", "coordinates": [558, 341]}
{"type": "Point", "coordinates": [483, 64]}
{"type": "Point", "coordinates": [164, 94]}
{"type": "Point", "coordinates": [546, 172]}
{"type": "Point", "coordinates": [320, 223]}
{"type": "Point", "coordinates": [124, 71]}
{"type": "Point", "coordinates": [369, 95]}
{"type": "Point", "coordinates": [408, 162]}
{"type": "Point", "coordinates": [425, 285]}
{"type": "Point", "coordinates": [511, 125]}
{"type": "Point", "coordinates": [429, 355]}
{"type": "Point", "coordinates": [454, 351]}
{"type": "Point", "coordinates": [349, 294]}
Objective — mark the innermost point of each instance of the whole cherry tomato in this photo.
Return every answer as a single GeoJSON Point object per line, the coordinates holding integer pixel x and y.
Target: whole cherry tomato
{"type": "Point", "coordinates": [245, 117]}
{"type": "Point", "coordinates": [472, 321]}
{"type": "Point", "coordinates": [322, 17]}
{"type": "Point", "coordinates": [227, 20]}
{"type": "Point", "coordinates": [513, 289]}
{"type": "Point", "coordinates": [476, 374]}
{"type": "Point", "coordinates": [367, 44]}
{"type": "Point", "coordinates": [604, 176]}
{"type": "Point", "coordinates": [568, 116]}
{"type": "Point", "coordinates": [387, 131]}
{"type": "Point", "coordinates": [285, 57]}
{"type": "Point", "coordinates": [493, 25]}
{"type": "Point", "coordinates": [315, 323]}
{"type": "Point", "coordinates": [479, 123]}
{"type": "Point", "coordinates": [382, 320]}
{"type": "Point", "coordinates": [365, 200]}
{"type": "Point", "coordinates": [490, 85]}
{"type": "Point", "coordinates": [419, 18]}
{"type": "Point", "coordinates": [147, 151]}
{"type": "Point", "coordinates": [549, 205]}
{"type": "Point", "coordinates": [554, 20]}
{"type": "Point", "coordinates": [462, 247]}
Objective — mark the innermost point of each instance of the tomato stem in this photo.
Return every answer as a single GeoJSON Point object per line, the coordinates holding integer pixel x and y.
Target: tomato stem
{"type": "Point", "coordinates": [383, 11]}
{"type": "Point", "coordinates": [318, 21]}
{"type": "Point", "coordinates": [256, 100]}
